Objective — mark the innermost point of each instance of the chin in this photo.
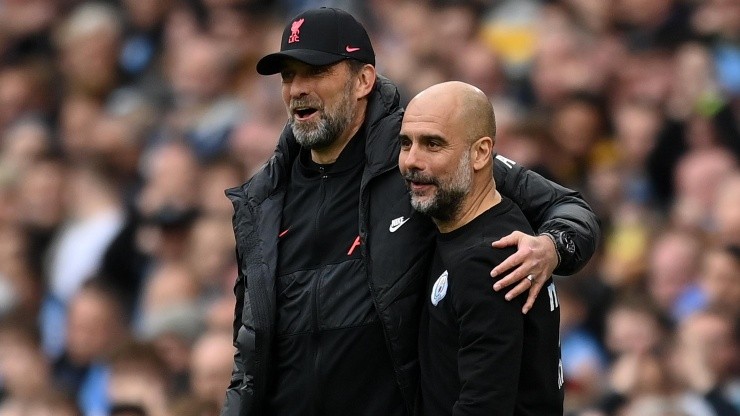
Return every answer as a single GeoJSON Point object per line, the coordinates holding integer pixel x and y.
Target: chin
{"type": "Point", "coordinates": [306, 128]}
{"type": "Point", "coordinates": [421, 204]}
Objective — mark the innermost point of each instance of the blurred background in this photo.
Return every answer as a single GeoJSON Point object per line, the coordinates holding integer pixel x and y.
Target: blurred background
{"type": "Point", "coordinates": [122, 122]}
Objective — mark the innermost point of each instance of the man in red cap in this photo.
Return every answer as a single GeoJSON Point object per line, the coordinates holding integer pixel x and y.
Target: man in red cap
{"type": "Point", "coordinates": [332, 257]}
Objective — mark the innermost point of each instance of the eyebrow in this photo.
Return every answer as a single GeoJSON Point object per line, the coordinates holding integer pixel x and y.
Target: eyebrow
{"type": "Point", "coordinates": [426, 137]}
{"type": "Point", "coordinates": [436, 137]}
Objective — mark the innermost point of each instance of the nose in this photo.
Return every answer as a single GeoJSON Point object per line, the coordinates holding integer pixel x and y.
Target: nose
{"type": "Point", "coordinates": [299, 86]}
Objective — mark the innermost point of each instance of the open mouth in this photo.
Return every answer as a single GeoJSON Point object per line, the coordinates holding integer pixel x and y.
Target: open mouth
{"type": "Point", "coordinates": [303, 113]}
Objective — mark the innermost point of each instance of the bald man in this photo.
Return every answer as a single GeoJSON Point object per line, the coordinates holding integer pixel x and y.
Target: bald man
{"type": "Point", "coordinates": [479, 354]}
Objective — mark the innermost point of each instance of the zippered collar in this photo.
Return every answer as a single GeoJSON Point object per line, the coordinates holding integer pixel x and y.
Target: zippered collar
{"type": "Point", "coordinates": [352, 156]}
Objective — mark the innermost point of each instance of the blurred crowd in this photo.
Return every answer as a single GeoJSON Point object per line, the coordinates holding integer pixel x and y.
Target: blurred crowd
{"type": "Point", "coordinates": [122, 122]}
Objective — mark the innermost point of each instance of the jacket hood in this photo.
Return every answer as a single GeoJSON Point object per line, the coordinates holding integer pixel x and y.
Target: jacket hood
{"type": "Point", "coordinates": [383, 122]}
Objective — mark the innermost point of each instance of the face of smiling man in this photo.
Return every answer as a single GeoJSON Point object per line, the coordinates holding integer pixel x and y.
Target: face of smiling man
{"type": "Point", "coordinates": [435, 156]}
{"type": "Point", "coordinates": [322, 102]}
{"type": "Point", "coordinates": [440, 195]}
{"type": "Point", "coordinates": [445, 143]}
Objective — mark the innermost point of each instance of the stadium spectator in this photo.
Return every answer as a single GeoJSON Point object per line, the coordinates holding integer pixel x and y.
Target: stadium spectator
{"type": "Point", "coordinates": [95, 326]}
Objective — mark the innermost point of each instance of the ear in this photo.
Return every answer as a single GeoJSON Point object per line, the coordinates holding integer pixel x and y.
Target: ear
{"type": "Point", "coordinates": [365, 81]}
{"type": "Point", "coordinates": [482, 149]}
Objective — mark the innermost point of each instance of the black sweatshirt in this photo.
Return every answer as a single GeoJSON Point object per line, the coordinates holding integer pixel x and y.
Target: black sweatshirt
{"type": "Point", "coordinates": [479, 354]}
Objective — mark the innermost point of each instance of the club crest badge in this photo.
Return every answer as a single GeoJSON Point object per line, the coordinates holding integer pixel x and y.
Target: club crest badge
{"type": "Point", "coordinates": [295, 31]}
{"type": "Point", "coordinates": [439, 290]}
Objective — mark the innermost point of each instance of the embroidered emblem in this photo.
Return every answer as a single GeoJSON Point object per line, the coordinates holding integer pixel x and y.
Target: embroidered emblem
{"type": "Point", "coordinates": [295, 30]}
{"type": "Point", "coordinates": [439, 290]}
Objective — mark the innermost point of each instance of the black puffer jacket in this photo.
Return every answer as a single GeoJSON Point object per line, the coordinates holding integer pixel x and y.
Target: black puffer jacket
{"type": "Point", "coordinates": [396, 258]}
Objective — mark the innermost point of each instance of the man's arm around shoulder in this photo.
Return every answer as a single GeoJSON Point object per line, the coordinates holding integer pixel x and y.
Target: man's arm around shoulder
{"type": "Point", "coordinates": [551, 208]}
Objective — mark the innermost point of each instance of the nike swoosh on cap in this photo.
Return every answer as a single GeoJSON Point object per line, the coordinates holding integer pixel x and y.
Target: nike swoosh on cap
{"type": "Point", "coordinates": [351, 49]}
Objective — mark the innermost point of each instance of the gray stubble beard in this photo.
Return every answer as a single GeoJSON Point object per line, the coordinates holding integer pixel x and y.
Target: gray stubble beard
{"type": "Point", "coordinates": [330, 126]}
{"type": "Point", "coordinates": [446, 204]}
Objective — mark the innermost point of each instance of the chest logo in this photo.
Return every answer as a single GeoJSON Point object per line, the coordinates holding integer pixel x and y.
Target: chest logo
{"type": "Point", "coordinates": [397, 223]}
{"type": "Point", "coordinates": [439, 290]}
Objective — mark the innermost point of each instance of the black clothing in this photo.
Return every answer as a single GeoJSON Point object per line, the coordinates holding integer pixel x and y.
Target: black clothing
{"type": "Point", "coordinates": [720, 404]}
{"type": "Point", "coordinates": [318, 352]}
{"type": "Point", "coordinates": [124, 265]}
{"type": "Point", "coordinates": [479, 355]}
{"type": "Point", "coordinates": [396, 248]}
{"type": "Point", "coordinates": [321, 205]}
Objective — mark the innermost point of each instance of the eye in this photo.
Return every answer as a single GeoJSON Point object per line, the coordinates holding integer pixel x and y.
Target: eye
{"type": "Point", "coordinates": [318, 70]}
{"type": "Point", "coordinates": [287, 75]}
{"type": "Point", "coordinates": [405, 143]}
{"type": "Point", "coordinates": [434, 145]}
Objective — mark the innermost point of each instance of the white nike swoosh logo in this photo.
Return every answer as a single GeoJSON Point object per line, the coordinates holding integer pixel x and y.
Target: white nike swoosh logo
{"type": "Point", "coordinates": [397, 223]}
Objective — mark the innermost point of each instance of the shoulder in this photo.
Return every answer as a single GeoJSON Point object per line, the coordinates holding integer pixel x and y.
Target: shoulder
{"type": "Point", "coordinates": [503, 167]}
{"type": "Point", "coordinates": [501, 220]}
{"type": "Point", "coordinates": [471, 264]}
{"type": "Point", "coordinates": [474, 258]}
{"type": "Point", "coordinates": [469, 276]}
{"type": "Point", "coordinates": [475, 249]}
{"type": "Point", "coordinates": [504, 163]}
{"type": "Point", "coordinates": [509, 218]}
{"type": "Point", "coordinates": [270, 177]}
{"type": "Point", "coordinates": [255, 186]}
{"type": "Point", "coordinates": [383, 103]}
{"type": "Point", "coordinates": [383, 122]}
{"type": "Point", "coordinates": [386, 94]}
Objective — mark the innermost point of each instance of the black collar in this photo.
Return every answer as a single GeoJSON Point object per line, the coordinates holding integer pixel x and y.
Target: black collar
{"type": "Point", "coordinates": [351, 157]}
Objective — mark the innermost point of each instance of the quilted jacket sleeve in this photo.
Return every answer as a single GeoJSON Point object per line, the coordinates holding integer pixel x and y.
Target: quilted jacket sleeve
{"type": "Point", "coordinates": [233, 404]}
{"type": "Point", "coordinates": [550, 207]}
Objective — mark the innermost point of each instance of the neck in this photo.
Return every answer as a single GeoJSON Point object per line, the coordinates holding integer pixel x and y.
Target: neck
{"type": "Point", "coordinates": [330, 153]}
{"type": "Point", "coordinates": [475, 203]}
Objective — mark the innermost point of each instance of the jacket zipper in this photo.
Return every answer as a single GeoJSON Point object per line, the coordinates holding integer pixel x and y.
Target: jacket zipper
{"type": "Point", "coordinates": [316, 336]}
{"type": "Point", "coordinates": [368, 270]}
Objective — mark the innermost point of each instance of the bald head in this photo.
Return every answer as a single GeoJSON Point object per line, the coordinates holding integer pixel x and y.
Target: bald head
{"type": "Point", "coordinates": [461, 106]}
